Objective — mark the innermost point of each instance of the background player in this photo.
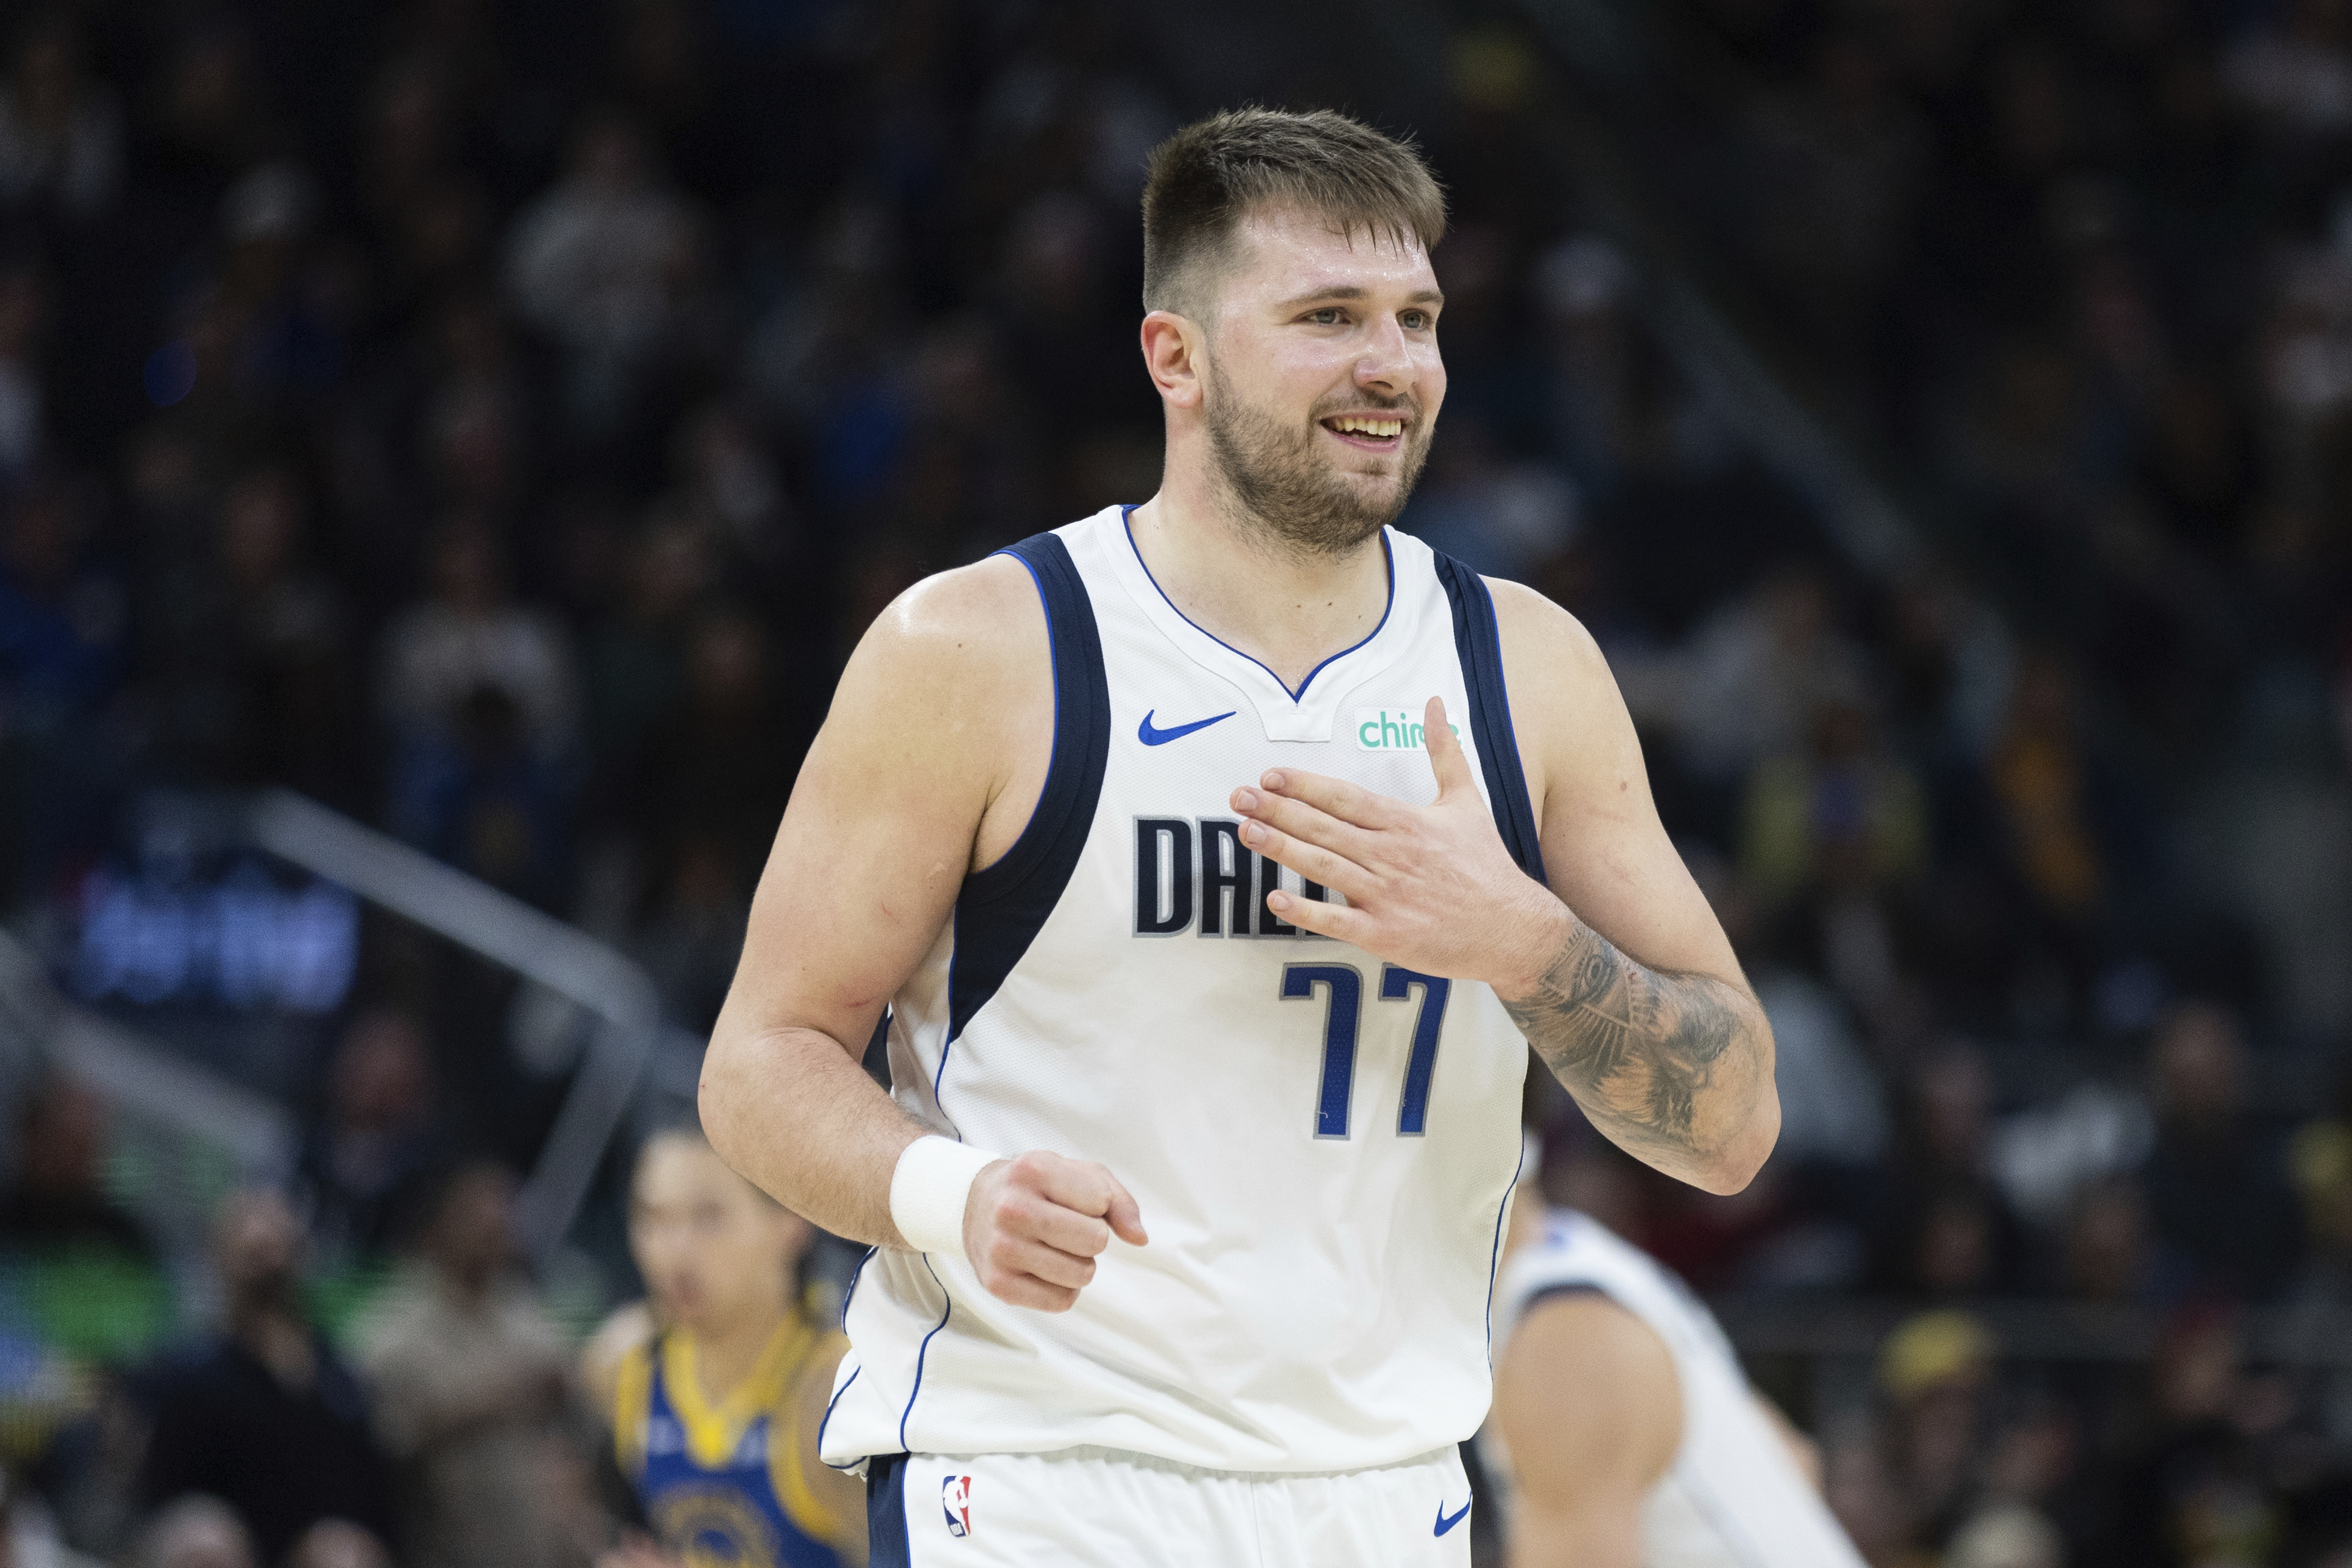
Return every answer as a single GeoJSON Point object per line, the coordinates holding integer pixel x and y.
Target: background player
{"type": "Point", "coordinates": [1628, 1431]}
{"type": "Point", "coordinates": [1019, 825]}
{"type": "Point", "coordinates": [716, 1386]}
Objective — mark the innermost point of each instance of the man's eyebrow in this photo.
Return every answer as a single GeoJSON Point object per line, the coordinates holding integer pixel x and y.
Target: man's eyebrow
{"type": "Point", "coordinates": [1352, 291]}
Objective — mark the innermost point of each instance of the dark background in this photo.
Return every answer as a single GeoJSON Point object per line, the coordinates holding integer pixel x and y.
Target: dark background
{"type": "Point", "coordinates": [497, 421]}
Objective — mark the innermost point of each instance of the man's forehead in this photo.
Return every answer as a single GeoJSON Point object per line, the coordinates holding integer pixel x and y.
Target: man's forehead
{"type": "Point", "coordinates": [1290, 250]}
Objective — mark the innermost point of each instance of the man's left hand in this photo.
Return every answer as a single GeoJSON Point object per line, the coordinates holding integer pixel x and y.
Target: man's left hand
{"type": "Point", "coordinates": [1430, 887]}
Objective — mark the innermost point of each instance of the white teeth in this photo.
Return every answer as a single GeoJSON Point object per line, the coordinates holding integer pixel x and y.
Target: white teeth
{"type": "Point", "coordinates": [1357, 424]}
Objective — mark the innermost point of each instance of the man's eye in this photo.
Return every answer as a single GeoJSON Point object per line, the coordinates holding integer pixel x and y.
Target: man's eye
{"type": "Point", "coordinates": [1327, 317]}
{"type": "Point", "coordinates": [1417, 321]}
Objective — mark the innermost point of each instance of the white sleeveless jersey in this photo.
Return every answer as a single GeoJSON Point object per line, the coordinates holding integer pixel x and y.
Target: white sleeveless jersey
{"type": "Point", "coordinates": [1322, 1145]}
{"type": "Point", "coordinates": [1733, 1498]}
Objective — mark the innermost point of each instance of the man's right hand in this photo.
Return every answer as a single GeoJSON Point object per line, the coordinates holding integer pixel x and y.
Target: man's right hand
{"type": "Point", "coordinates": [1034, 1225]}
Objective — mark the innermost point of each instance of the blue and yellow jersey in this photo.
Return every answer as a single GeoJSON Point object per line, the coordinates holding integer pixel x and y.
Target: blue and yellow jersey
{"type": "Point", "coordinates": [723, 1485]}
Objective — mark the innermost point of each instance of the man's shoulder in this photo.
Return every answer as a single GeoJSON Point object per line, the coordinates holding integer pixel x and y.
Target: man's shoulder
{"type": "Point", "coordinates": [973, 605]}
{"type": "Point", "coordinates": [1540, 627]}
{"type": "Point", "coordinates": [954, 642]}
{"type": "Point", "coordinates": [1554, 669]}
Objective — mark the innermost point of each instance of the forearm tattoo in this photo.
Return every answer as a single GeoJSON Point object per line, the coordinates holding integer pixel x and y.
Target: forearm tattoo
{"type": "Point", "coordinates": [1640, 1047]}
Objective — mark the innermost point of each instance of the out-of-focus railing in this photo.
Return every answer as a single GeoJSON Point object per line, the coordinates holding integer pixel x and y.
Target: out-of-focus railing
{"type": "Point", "coordinates": [561, 958]}
{"type": "Point", "coordinates": [193, 1129]}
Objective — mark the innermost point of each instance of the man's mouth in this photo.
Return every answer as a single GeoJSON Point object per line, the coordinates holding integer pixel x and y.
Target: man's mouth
{"type": "Point", "coordinates": [1372, 432]}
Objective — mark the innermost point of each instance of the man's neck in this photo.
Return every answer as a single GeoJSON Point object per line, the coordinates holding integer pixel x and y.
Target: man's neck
{"type": "Point", "coordinates": [1287, 609]}
{"type": "Point", "coordinates": [280, 1341]}
{"type": "Point", "coordinates": [727, 1353]}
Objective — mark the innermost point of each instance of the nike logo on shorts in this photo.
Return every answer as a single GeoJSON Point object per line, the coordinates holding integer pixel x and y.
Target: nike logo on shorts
{"type": "Point", "coordinates": [1151, 737]}
{"type": "Point", "coordinates": [1443, 1524]}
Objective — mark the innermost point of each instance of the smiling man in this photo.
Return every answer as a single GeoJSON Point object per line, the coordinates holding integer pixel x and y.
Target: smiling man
{"type": "Point", "coordinates": [1214, 858]}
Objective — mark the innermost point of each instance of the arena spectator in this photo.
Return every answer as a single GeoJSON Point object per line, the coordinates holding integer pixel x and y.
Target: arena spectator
{"type": "Point", "coordinates": [57, 1204]}
{"type": "Point", "coordinates": [197, 1531]}
{"type": "Point", "coordinates": [1935, 1373]}
{"type": "Point", "coordinates": [28, 1534]}
{"type": "Point", "coordinates": [2107, 1257]}
{"type": "Point", "coordinates": [1758, 670]}
{"type": "Point", "coordinates": [1945, 1228]}
{"type": "Point", "coordinates": [482, 698]}
{"type": "Point", "coordinates": [61, 129]}
{"type": "Point", "coordinates": [338, 1543]}
{"type": "Point", "coordinates": [377, 1139]}
{"type": "Point", "coordinates": [264, 1417]}
{"type": "Point", "coordinates": [470, 636]}
{"type": "Point", "coordinates": [601, 264]}
{"type": "Point", "coordinates": [470, 1379]}
{"type": "Point", "coordinates": [721, 762]}
{"type": "Point", "coordinates": [2217, 1183]}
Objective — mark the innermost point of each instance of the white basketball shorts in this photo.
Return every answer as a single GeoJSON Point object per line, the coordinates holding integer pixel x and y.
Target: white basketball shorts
{"type": "Point", "coordinates": [1095, 1505]}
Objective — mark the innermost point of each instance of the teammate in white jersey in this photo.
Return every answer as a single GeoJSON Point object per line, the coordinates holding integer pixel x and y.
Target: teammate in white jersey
{"type": "Point", "coordinates": [1629, 1436]}
{"type": "Point", "coordinates": [1214, 879]}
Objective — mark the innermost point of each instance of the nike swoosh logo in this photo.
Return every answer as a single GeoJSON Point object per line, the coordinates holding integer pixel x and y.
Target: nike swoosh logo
{"type": "Point", "coordinates": [1443, 1524]}
{"type": "Point", "coordinates": [1151, 737]}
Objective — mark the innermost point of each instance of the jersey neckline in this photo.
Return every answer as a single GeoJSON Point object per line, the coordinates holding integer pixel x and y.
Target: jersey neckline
{"type": "Point", "coordinates": [1388, 559]}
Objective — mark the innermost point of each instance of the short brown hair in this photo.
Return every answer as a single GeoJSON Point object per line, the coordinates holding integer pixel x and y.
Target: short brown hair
{"type": "Point", "coordinates": [1206, 179]}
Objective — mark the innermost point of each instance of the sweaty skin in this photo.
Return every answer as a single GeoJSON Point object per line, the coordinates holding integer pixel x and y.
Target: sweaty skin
{"type": "Point", "coordinates": [1588, 1405]}
{"type": "Point", "coordinates": [936, 745]}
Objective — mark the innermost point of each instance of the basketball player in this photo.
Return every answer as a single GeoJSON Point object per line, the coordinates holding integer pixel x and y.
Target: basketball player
{"type": "Point", "coordinates": [1214, 858]}
{"type": "Point", "coordinates": [716, 1391]}
{"type": "Point", "coordinates": [1628, 1431]}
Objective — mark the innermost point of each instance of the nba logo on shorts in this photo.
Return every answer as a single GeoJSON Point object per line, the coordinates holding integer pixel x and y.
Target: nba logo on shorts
{"type": "Point", "coordinates": [955, 1500]}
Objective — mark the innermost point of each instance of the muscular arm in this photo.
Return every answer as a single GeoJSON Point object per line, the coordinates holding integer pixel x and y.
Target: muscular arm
{"type": "Point", "coordinates": [1637, 1005]}
{"type": "Point", "coordinates": [928, 767]}
{"type": "Point", "coordinates": [1587, 1402]}
{"type": "Point", "coordinates": [885, 821]}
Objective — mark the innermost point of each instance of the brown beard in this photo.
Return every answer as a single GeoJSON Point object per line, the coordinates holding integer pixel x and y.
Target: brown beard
{"type": "Point", "coordinates": [1273, 475]}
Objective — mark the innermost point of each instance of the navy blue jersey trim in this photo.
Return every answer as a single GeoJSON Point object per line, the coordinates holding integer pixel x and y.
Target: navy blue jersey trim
{"type": "Point", "coordinates": [1479, 645]}
{"type": "Point", "coordinates": [922, 1351]}
{"type": "Point", "coordinates": [1566, 1288]}
{"type": "Point", "coordinates": [1128, 526]}
{"type": "Point", "coordinates": [886, 1513]}
{"type": "Point", "coordinates": [827, 1420]}
{"type": "Point", "coordinates": [1001, 908]}
{"type": "Point", "coordinates": [854, 1276]}
{"type": "Point", "coordinates": [1495, 1259]}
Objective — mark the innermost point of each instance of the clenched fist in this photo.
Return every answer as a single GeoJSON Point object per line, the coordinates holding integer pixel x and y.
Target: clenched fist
{"type": "Point", "coordinates": [1034, 1225]}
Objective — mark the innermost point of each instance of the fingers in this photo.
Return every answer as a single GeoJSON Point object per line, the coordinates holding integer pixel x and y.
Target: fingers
{"type": "Point", "coordinates": [1009, 1254]}
{"type": "Point", "coordinates": [1088, 1189]}
{"type": "Point", "coordinates": [1126, 1216]}
{"type": "Point", "coordinates": [1027, 1290]}
{"type": "Point", "coordinates": [1335, 921]}
{"type": "Point", "coordinates": [1446, 757]}
{"type": "Point", "coordinates": [1351, 803]}
{"type": "Point", "coordinates": [1045, 1225]}
{"type": "Point", "coordinates": [1037, 1219]}
{"type": "Point", "coordinates": [1311, 861]}
{"type": "Point", "coordinates": [1301, 821]}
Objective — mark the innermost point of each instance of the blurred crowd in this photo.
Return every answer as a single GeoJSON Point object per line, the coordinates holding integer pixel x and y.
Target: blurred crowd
{"type": "Point", "coordinates": [497, 421]}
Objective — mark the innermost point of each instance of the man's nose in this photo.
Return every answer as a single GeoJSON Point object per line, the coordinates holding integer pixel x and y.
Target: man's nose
{"type": "Point", "coordinates": [1385, 365]}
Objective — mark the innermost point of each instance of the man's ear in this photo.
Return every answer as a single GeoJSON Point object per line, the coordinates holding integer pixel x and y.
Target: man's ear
{"type": "Point", "coordinates": [1173, 346]}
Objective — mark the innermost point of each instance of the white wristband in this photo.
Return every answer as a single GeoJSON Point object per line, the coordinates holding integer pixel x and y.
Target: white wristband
{"type": "Point", "coordinates": [928, 1190]}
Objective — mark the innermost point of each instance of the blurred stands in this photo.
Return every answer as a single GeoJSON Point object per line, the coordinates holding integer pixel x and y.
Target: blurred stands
{"type": "Point", "coordinates": [497, 421]}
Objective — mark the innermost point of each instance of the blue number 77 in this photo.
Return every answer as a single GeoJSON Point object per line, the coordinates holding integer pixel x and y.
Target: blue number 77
{"type": "Point", "coordinates": [1344, 987]}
